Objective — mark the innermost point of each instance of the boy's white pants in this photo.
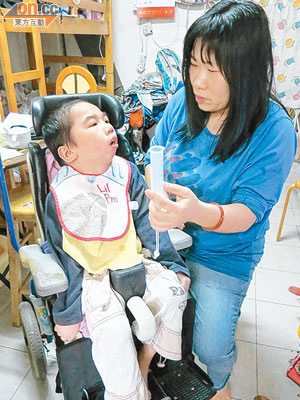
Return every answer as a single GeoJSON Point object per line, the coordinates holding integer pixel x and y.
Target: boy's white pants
{"type": "Point", "coordinates": [113, 348]}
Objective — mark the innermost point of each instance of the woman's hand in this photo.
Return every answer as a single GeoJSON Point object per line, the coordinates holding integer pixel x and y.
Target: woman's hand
{"type": "Point", "coordinates": [184, 280]}
{"type": "Point", "coordinates": [67, 332]}
{"type": "Point", "coordinates": [171, 214]}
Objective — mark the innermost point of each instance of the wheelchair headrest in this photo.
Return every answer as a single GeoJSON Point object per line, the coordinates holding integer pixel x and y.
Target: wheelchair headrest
{"type": "Point", "coordinates": [42, 106]}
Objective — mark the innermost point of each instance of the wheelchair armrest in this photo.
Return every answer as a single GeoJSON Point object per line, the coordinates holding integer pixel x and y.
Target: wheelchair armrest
{"type": "Point", "coordinates": [47, 275]}
{"type": "Point", "coordinates": [180, 239]}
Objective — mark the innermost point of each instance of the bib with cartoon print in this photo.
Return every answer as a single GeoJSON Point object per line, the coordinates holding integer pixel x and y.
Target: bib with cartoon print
{"type": "Point", "coordinates": [92, 207]}
{"type": "Point", "coordinates": [94, 213]}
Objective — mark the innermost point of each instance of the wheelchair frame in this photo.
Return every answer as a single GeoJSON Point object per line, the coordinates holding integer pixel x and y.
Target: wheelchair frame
{"type": "Point", "coordinates": [36, 320]}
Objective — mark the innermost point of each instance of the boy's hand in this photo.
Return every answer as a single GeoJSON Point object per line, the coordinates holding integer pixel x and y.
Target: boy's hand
{"type": "Point", "coordinates": [67, 332]}
{"type": "Point", "coordinates": [184, 280]}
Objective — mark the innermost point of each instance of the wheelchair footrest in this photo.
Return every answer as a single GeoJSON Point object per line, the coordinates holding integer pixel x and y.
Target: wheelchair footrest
{"type": "Point", "coordinates": [181, 380]}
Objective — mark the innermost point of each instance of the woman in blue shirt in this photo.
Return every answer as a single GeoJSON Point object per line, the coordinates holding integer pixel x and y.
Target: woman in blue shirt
{"type": "Point", "coordinates": [229, 146]}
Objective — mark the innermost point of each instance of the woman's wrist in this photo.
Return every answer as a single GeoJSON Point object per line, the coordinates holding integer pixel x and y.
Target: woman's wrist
{"type": "Point", "coordinates": [208, 215]}
{"type": "Point", "coordinates": [219, 223]}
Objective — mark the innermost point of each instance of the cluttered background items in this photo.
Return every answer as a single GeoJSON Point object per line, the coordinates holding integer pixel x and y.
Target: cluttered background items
{"type": "Point", "coordinates": [145, 100]}
{"type": "Point", "coordinates": [24, 95]}
{"type": "Point", "coordinates": [16, 131]}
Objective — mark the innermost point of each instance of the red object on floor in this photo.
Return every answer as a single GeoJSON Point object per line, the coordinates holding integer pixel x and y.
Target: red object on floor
{"type": "Point", "coordinates": [295, 290]}
{"type": "Point", "coordinates": [294, 371]}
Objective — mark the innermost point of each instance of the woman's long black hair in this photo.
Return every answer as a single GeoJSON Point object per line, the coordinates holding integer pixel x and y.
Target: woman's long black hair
{"type": "Point", "coordinates": [237, 33]}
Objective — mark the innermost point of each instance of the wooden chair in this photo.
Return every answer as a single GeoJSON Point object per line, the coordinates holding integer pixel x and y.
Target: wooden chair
{"type": "Point", "coordinates": [3, 258]}
{"type": "Point", "coordinates": [75, 79]}
{"type": "Point", "coordinates": [295, 185]}
{"type": "Point", "coordinates": [24, 221]}
{"type": "Point", "coordinates": [61, 25]}
{"type": "Point", "coordinates": [35, 56]}
{"type": "Point", "coordinates": [295, 115]}
{"type": "Point", "coordinates": [1, 109]}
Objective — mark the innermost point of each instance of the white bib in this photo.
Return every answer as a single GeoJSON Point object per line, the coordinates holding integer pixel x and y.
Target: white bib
{"type": "Point", "coordinates": [93, 207]}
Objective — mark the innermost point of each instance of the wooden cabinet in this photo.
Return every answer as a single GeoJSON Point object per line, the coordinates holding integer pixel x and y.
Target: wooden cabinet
{"type": "Point", "coordinates": [63, 24]}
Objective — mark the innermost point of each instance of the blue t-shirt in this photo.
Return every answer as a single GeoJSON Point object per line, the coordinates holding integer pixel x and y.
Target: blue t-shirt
{"type": "Point", "coordinates": [253, 176]}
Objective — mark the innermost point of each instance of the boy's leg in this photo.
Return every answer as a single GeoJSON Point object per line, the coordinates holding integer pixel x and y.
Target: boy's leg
{"type": "Point", "coordinates": [166, 299]}
{"type": "Point", "coordinates": [146, 354]}
{"type": "Point", "coordinates": [113, 348]}
{"type": "Point", "coordinates": [219, 298]}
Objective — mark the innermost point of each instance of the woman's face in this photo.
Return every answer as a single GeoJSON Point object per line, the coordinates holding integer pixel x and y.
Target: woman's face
{"type": "Point", "coordinates": [210, 87]}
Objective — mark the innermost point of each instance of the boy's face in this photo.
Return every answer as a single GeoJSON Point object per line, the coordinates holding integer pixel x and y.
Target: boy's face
{"type": "Point", "coordinates": [94, 141]}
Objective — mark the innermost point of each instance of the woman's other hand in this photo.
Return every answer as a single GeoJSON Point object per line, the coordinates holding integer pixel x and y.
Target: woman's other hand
{"type": "Point", "coordinates": [67, 332]}
{"type": "Point", "coordinates": [171, 214]}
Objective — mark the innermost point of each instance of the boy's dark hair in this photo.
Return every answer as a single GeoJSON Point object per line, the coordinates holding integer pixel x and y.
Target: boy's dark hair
{"type": "Point", "coordinates": [57, 126]}
{"type": "Point", "coordinates": [237, 34]}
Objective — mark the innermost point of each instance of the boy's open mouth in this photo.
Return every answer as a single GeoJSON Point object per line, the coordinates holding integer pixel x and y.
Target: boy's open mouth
{"type": "Point", "coordinates": [114, 141]}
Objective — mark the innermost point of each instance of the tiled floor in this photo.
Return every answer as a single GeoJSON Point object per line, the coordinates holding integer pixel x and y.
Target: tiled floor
{"type": "Point", "coordinates": [266, 335]}
{"type": "Point", "coordinates": [267, 331]}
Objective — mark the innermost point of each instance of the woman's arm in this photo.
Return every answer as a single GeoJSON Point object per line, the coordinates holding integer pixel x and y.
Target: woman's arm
{"type": "Point", "coordinates": [267, 162]}
{"type": "Point", "coordinates": [188, 208]}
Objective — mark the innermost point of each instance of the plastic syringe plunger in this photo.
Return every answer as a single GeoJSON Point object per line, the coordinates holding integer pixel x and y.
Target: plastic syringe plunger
{"type": "Point", "coordinates": [157, 168]}
{"type": "Point", "coordinates": [157, 171]}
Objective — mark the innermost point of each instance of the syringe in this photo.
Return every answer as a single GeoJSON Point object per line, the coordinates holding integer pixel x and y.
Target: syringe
{"type": "Point", "coordinates": [157, 171]}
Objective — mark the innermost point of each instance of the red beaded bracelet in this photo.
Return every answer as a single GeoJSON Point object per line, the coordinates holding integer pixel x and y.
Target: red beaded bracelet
{"type": "Point", "coordinates": [220, 220]}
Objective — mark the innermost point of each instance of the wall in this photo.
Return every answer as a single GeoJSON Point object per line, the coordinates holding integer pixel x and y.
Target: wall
{"type": "Point", "coordinates": [52, 45]}
{"type": "Point", "coordinates": [127, 38]}
{"type": "Point", "coordinates": [19, 59]}
{"type": "Point", "coordinates": [17, 51]}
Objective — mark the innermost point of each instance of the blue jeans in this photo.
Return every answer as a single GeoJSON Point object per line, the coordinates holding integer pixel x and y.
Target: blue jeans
{"type": "Point", "coordinates": [219, 298]}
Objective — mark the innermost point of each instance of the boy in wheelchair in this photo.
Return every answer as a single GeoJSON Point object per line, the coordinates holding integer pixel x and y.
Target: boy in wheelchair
{"type": "Point", "coordinates": [94, 213]}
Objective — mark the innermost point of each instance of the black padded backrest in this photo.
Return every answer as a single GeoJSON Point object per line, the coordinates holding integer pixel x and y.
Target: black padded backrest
{"type": "Point", "coordinates": [42, 106]}
{"type": "Point", "coordinates": [40, 181]}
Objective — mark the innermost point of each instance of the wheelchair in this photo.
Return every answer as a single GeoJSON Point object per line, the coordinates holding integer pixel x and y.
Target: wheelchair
{"type": "Point", "coordinates": [77, 376]}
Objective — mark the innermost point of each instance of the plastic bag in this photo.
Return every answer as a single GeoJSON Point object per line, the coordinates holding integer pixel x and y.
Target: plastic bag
{"type": "Point", "coordinates": [168, 65]}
